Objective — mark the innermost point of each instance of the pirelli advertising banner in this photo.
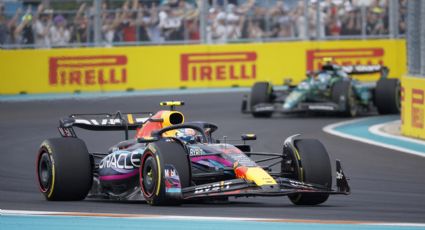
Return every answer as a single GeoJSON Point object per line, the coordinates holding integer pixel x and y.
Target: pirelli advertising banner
{"type": "Point", "coordinates": [170, 67]}
{"type": "Point", "coordinates": [413, 107]}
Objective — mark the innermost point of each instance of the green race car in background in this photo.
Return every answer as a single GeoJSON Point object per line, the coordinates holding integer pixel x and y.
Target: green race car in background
{"type": "Point", "coordinates": [331, 89]}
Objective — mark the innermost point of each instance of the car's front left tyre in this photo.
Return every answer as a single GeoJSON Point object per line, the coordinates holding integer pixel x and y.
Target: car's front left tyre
{"type": "Point", "coordinates": [164, 171]}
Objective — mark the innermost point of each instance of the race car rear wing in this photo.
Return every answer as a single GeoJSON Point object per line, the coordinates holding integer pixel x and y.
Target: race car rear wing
{"type": "Point", "coordinates": [367, 69]}
{"type": "Point", "coordinates": [103, 122]}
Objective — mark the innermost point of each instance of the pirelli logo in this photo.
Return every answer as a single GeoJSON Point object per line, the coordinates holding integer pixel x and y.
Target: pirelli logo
{"type": "Point", "coordinates": [418, 111]}
{"type": "Point", "coordinates": [88, 70]}
{"type": "Point", "coordinates": [345, 57]}
{"type": "Point", "coordinates": [218, 66]}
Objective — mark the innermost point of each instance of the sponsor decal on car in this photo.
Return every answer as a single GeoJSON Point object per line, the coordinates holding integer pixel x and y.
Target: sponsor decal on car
{"type": "Point", "coordinates": [263, 108]}
{"type": "Point", "coordinates": [195, 151]}
{"type": "Point", "coordinates": [361, 68]}
{"type": "Point", "coordinates": [321, 107]}
{"type": "Point", "coordinates": [122, 160]}
{"type": "Point", "coordinates": [216, 187]}
{"type": "Point", "coordinates": [218, 66]}
{"type": "Point", "coordinates": [88, 70]}
{"type": "Point", "coordinates": [172, 181]}
{"type": "Point", "coordinates": [107, 121]}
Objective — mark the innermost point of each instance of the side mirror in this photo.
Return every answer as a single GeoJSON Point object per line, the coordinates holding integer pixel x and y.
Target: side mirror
{"type": "Point", "coordinates": [249, 137]}
{"type": "Point", "coordinates": [147, 139]}
{"type": "Point", "coordinates": [66, 122]}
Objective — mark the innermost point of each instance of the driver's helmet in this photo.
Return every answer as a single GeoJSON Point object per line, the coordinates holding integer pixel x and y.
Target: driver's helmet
{"type": "Point", "coordinates": [328, 64]}
{"type": "Point", "coordinates": [186, 135]}
{"type": "Point", "coordinates": [323, 80]}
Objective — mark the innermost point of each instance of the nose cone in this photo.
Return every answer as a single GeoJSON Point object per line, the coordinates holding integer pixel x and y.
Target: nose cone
{"type": "Point", "coordinates": [293, 99]}
{"type": "Point", "coordinates": [288, 105]}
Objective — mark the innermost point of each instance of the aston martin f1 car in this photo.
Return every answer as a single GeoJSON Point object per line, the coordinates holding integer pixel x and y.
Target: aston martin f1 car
{"type": "Point", "coordinates": [330, 90]}
{"type": "Point", "coordinates": [170, 161]}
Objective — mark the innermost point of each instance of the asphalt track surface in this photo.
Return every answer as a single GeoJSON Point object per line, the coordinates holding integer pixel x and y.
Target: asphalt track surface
{"type": "Point", "coordinates": [386, 185]}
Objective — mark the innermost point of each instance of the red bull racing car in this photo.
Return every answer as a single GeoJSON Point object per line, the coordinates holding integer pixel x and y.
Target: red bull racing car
{"type": "Point", "coordinates": [170, 161]}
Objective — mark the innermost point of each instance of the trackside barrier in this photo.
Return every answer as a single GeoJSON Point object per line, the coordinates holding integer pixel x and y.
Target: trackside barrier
{"type": "Point", "coordinates": [413, 107]}
{"type": "Point", "coordinates": [181, 66]}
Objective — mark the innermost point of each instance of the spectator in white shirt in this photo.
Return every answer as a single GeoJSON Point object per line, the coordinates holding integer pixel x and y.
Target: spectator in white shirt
{"type": "Point", "coordinates": [42, 29]}
{"type": "Point", "coordinates": [59, 34]}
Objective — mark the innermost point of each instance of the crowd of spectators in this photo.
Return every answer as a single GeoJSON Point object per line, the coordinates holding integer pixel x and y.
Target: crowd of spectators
{"type": "Point", "coordinates": [159, 21]}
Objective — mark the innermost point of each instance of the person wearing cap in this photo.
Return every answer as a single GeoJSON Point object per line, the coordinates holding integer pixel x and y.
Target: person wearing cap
{"type": "Point", "coordinates": [374, 23]}
{"type": "Point", "coordinates": [351, 24]}
{"type": "Point", "coordinates": [59, 34]}
{"type": "Point", "coordinates": [23, 34]}
{"type": "Point", "coordinates": [42, 26]}
{"type": "Point", "coordinates": [80, 25]}
{"type": "Point", "coordinates": [218, 28]}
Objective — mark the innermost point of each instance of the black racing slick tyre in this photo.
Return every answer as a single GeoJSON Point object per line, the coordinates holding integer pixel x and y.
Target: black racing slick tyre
{"type": "Point", "coordinates": [387, 96]}
{"type": "Point", "coordinates": [160, 161]}
{"type": "Point", "coordinates": [64, 169]}
{"type": "Point", "coordinates": [261, 92]}
{"type": "Point", "coordinates": [343, 94]}
{"type": "Point", "coordinates": [315, 168]}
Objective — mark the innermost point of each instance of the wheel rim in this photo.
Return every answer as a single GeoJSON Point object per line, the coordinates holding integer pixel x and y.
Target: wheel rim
{"type": "Point", "coordinates": [148, 176]}
{"type": "Point", "coordinates": [45, 172]}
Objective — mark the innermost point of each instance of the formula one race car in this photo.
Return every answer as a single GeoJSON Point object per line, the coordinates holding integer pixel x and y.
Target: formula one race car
{"type": "Point", "coordinates": [328, 90]}
{"type": "Point", "coordinates": [170, 161]}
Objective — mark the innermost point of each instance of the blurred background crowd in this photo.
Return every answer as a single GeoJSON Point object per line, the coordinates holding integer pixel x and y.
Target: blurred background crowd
{"type": "Point", "coordinates": [53, 23]}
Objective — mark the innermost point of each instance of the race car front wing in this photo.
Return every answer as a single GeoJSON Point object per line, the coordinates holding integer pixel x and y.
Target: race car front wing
{"type": "Point", "coordinates": [284, 187]}
{"type": "Point", "coordinates": [302, 107]}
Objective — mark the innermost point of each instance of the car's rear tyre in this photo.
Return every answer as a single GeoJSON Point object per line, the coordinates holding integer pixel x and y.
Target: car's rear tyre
{"type": "Point", "coordinates": [314, 167]}
{"type": "Point", "coordinates": [153, 181]}
{"type": "Point", "coordinates": [342, 92]}
{"type": "Point", "coordinates": [261, 92]}
{"type": "Point", "coordinates": [64, 169]}
{"type": "Point", "coordinates": [387, 96]}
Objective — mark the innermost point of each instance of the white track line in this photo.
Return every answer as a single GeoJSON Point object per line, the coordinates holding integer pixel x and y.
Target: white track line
{"type": "Point", "coordinates": [331, 130]}
{"type": "Point", "coordinates": [201, 218]}
{"type": "Point", "coordinates": [376, 129]}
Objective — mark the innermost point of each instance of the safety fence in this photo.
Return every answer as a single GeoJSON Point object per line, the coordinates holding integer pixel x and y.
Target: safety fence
{"type": "Point", "coordinates": [86, 23]}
